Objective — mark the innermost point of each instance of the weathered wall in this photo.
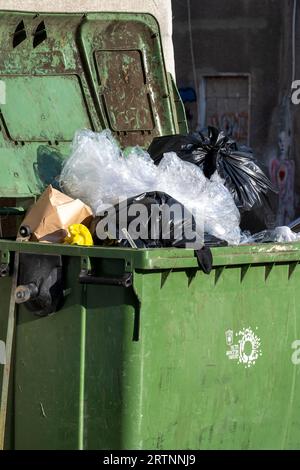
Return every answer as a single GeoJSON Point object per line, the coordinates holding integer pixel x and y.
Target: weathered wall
{"type": "Point", "coordinates": [248, 37]}
{"type": "Point", "coordinates": [233, 36]}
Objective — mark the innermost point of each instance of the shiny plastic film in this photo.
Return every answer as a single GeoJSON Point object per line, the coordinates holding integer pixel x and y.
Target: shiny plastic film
{"type": "Point", "coordinates": [278, 235]}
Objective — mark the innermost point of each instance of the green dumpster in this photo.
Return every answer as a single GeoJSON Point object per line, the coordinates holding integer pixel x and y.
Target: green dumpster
{"type": "Point", "coordinates": [152, 353]}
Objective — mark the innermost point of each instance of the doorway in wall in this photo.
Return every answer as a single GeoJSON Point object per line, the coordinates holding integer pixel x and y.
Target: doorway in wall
{"type": "Point", "coordinates": [225, 104]}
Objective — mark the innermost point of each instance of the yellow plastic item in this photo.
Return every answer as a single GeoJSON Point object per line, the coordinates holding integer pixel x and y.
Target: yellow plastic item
{"type": "Point", "coordinates": [79, 234]}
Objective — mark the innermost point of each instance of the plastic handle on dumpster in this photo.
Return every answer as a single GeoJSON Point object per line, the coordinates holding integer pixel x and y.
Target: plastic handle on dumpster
{"type": "Point", "coordinates": [79, 234]}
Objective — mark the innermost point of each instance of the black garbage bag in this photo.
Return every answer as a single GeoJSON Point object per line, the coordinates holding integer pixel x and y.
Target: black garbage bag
{"type": "Point", "coordinates": [149, 220]}
{"type": "Point", "coordinates": [215, 151]}
{"type": "Point", "coordinates": [295, 225]}
{"type": "Point", "coordinates": [161, 222]}
{"type": "Point", "coordinates": [155, 220]}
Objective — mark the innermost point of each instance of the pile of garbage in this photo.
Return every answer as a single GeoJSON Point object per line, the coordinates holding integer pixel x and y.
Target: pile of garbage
{"type": "Point", "coordinates": [185, 191]}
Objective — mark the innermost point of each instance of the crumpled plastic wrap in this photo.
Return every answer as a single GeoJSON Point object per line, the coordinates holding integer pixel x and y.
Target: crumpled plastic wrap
{"type": "Point", "coordinates": [222, 218]}
{"type": "Point", "coordinates": [209, 201]}
{"type": "Point", "coordinates": [278, 235]}
{"type": "Point", "coordinates": [99, 174]}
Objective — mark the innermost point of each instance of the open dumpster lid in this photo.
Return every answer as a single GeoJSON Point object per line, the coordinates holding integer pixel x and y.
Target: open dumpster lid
{"type": "Point", "coordinates": [62, 72]}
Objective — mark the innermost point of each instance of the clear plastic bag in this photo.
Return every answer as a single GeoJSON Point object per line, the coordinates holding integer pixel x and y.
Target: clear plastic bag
{"type": "Point", "coordinates": [278, 235]}
{"type": "Point", "coordinates": [209, 201]}
{"type": "Point", "coordinates": [99, 174]}
{"type": "Point", "coordinates": [221, 216]}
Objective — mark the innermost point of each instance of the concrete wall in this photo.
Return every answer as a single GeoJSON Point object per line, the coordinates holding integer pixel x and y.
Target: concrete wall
{"type": "Point", "coordinates": [248, 37]}
{"type": "Point", "coordinates": [229, 36]}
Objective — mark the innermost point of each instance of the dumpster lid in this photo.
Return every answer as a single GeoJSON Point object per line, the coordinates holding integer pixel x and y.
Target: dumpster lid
{"type": "Point", "coordinates": [62, 72]}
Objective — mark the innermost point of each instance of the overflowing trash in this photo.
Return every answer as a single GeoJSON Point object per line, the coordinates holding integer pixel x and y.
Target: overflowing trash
{"type": "Point", "coordinates": [186, 191]}
{"type": "Point", "coordinates": [100, 175]}
{"type": "Point", "coordinates": [216, 152]}
{"type": "Point", "coordinates": [48, 220]}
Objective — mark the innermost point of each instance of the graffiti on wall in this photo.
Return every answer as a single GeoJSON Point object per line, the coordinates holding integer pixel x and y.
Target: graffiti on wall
{"type": "Point", "coordinates": [282, 170]}
{"type": "Point", "coordinates": [234, 124]}
{"type": "Point", "coordinates": [225, 105]}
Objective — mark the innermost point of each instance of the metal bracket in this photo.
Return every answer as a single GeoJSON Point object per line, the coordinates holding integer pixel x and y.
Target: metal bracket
{"type": "Point", "coordinates": [4, 263]}
{"type": "Point", "coordinates": [86, 275]}
{"type": "Point", "coordinates": [85, 264]}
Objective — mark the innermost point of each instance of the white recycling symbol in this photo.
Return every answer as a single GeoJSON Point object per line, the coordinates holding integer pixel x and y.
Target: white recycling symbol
{"type": "Point", "coordinates": [247, 349]}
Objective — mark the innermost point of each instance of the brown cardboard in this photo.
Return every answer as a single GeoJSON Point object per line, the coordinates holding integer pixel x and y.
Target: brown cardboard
{"type": "Point", "coordinates": [52, 214]}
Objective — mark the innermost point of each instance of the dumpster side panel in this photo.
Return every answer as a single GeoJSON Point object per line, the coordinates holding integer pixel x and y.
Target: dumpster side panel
{"type": "Point", "coordinates": [5, 296]}
{"type": "Point", "coordinates": [218, 363]}
{"type": "Point", "coordinates": [182, 361]}
{"type": "Point", "coordinates": [49, 373]}
{"type": "Point", "coordinates": [71, 367]}
{"type": "Point", "coordinates": [5, 284]}
{"type": "Point", "coordinates": [111, 367]}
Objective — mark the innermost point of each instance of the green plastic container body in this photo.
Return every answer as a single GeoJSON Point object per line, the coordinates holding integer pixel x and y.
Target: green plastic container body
{"type": "Point", "coordinates": [154, 366]}
{"type": "Point", "coordinates": [178, 360]}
